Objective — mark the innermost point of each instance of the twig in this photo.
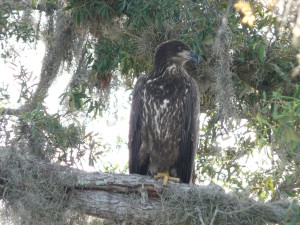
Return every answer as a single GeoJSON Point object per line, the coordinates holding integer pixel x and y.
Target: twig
{"type": "Point", "coordinates": [200, 216]}
{"type": "Point", "coordinates": [215, 214]}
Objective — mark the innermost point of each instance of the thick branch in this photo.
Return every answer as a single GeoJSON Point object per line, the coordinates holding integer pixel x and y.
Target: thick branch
{"type": "Point", "coordinates": [49, 190]}
{"type": "Point", "coordinates": [142, 199]}
{"type": "Point", "coordinates": [54, 56]}
{"type": "Point", "coordinates": [117, 196]}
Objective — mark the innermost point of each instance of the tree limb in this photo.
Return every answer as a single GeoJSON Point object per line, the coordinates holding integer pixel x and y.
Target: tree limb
{"type": "Point", "coordinates": [46, 191]}
{"type": "Point", "coordinates": [119, 197]}
{"type": "Point", "coordinates": [10, 112]}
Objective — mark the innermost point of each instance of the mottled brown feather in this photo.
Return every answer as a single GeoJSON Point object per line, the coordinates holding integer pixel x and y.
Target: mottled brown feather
{"type": "Point", "coordinates": [164, 115]}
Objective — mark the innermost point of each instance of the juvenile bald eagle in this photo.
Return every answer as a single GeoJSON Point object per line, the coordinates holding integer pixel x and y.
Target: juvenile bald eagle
{"type": "Point", "coordinates": [164, 117]}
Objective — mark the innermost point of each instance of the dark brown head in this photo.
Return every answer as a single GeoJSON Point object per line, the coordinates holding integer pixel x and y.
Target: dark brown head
{"type": "Point", "coordinates": [174, 52]}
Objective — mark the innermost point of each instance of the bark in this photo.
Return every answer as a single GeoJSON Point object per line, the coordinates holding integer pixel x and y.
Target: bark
{"type": "Point", "coordinates": [122, 197]}
{"type": "Point", "coordinates": [133, 199]}
{"type": "Point", "coordinates": [117, 196]}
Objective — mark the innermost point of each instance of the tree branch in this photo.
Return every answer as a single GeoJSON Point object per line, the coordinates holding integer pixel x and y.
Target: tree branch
{"type": "Point", "coordinates": [10, 112]}
{"type": "Point", "coordinates": [120, 197]}
{"type": "Point", "coordinates": [51, 189]}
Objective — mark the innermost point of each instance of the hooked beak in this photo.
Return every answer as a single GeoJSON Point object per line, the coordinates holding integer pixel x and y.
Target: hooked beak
{"type": "Point", "coordinates": [190, 55]}
{"type": "Point", "coordinates": [194, 57]}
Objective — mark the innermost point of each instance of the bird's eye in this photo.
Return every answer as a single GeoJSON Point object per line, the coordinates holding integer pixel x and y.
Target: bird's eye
{"type": "Point", "coordinates": [180, 48]}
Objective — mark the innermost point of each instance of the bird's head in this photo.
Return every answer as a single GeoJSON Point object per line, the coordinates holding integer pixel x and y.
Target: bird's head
{"type": "Point", "coordinates": [174, 52]}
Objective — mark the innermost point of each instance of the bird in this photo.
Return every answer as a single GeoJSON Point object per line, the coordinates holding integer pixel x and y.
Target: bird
{"type": "Point", "coordinates": [164, 117]}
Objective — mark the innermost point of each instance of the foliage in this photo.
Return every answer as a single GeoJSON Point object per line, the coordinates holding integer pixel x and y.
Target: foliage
{"type": "Point", "coordinates": [105, 60]}
{"type": "Point", "coordinates": [11, 24]}
{"type": "Point", "coordinates": [247, 91]}
{"type": "Point", "coordinates": [293, 214]}
{"type": "Point", "coordinates": [40, 127]}
{"type": "Point", "coordinates": [143, 25]}
{"type": "Point", "coordinates": [278, 126]}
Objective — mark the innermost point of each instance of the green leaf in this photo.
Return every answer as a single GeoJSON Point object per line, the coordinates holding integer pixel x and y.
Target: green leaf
{"type": "Point", "coordinates": [88, 12]}
{"type": "Point", "coordinates": [79, 17]}
{"type": "Point", "coordinates": [261, 53]}
{"type": "Point", "coordinates": [275, 112]}
{"type": "Point", "coordinates": [291, 135]}
{"type": "Point", "coordinates": [124, 5]}
{"type": "Point", "coordinates": [34, 3]}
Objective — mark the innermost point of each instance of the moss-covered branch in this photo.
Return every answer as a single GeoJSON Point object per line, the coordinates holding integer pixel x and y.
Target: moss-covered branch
{"type": "Point", "coordinates": [53, 190]}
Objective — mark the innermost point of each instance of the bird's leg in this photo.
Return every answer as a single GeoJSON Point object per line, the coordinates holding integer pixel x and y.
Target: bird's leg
{"type": "Point", "coordinates": [166, 176]}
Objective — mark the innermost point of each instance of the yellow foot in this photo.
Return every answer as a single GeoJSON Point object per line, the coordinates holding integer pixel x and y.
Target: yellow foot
{"type": "Point", "coordinates": [166, 177]}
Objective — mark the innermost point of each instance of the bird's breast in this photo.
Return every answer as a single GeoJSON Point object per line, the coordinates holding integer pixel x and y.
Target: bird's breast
{"type": "Point", "coordinates": [163, 112]}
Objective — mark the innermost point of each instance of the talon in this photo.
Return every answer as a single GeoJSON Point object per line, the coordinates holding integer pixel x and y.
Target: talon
{"type": "Point", "coordinates": [166, 177]}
